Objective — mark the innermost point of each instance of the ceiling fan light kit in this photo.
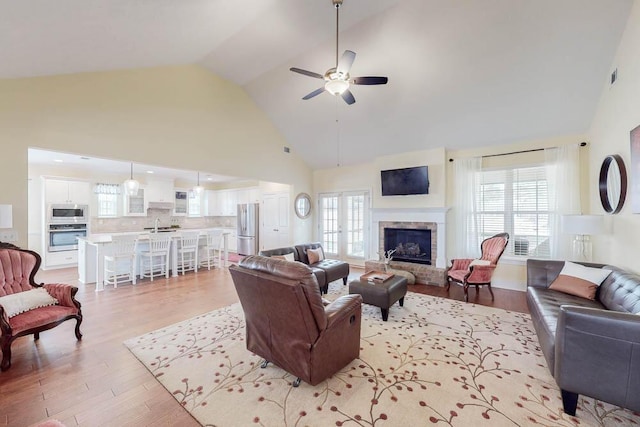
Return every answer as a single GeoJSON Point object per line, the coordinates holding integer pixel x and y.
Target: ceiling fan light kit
{"type": "Point", "coordinates": [337, 79]}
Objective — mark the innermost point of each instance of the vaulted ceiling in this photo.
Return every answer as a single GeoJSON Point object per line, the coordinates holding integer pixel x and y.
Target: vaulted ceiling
{"type": "Point", "coordinates": [462, 73]}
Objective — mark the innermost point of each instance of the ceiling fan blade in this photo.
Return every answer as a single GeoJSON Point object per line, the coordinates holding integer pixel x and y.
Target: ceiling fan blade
{"type": "Point", "coordinates": [306, 73]}
{"type": "Point", "coordinates": [314, 93]}
{"type": "Point", "coordinates": [369, 80]}
{"type": "Point", "coordinates": [348, 97]}
{"type": "Point", "coordinates": [346, 61]}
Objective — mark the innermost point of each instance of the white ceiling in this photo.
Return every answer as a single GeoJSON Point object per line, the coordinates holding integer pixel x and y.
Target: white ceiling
{"type": "Point", "coordinates": [462, 73]}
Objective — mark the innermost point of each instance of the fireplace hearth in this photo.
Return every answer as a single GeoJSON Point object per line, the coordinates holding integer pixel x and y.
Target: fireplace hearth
{"type": "Point", "coordinates": [410, 244]}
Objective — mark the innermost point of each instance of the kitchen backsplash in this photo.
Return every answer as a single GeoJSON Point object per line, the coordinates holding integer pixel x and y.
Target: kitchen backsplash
{"type": "Point", "coordinates": [138, 223]}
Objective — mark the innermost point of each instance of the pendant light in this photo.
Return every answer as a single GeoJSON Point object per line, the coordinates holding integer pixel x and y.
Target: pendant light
{"type": "Point", "coordinates": [131, 186]}
{"type": "Point", "coordinates": [198, 189]}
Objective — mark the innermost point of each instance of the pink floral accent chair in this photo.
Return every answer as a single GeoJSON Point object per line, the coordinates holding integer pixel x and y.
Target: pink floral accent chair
{"type": "Point", "coordinates": [18, 268]}
{"type": "Point", "coordinates": [465, 274]}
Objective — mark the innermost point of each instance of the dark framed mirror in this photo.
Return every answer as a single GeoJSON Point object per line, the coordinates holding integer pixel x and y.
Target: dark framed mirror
{"type": "Point", "coordinates": [613, 184]}
{"type": "Point", "coordinates": [302, 205]}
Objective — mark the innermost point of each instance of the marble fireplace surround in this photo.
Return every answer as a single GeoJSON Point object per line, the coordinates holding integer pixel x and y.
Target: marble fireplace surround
{"type": "Point", "coordinates": [433, 219]}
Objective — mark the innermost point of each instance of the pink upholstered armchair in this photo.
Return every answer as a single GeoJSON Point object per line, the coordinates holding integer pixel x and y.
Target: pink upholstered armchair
{"type": "Point", "coordinates": [466, 272]}
{"type": "Point", "coordinates": [34, 311]}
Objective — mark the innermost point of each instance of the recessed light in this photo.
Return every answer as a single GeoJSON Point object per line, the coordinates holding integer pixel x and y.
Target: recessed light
{"type": "Point", "coordinates": [58, 160]}
{"type": "Point", "coordinates": [149, 171]}
{"type": "Point", "coordinates": [209, 178]}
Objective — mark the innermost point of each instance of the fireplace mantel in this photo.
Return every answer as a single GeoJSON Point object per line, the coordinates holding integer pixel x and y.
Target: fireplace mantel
{"type": "Point", "coordinates": [435, 215]}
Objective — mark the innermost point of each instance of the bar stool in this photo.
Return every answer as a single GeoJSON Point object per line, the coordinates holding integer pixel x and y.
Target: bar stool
{"type": "Point", "coordinates": [120, 260]}
{"type": "Point", "coordinates": [212, 251]}
{"type": "Point", "coordinates": [188, 251]}
{"type": "Point", "coordinates": [155, 260]}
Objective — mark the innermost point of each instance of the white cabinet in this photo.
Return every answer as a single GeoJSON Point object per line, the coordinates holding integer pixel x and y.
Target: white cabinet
{"type": "Point", "coordinates": [64, 191]}
{"type": "Point", "coordinates": [181, 202]}
{"type": "Point", "coordinates": [248, 195]}
{"type": "Point", "coordinates": [135, 205]}
{"type": "Point", "coordinates": [232, 240]}
{"type": "Point", "coordinates": [221, 202]}
{"type": "Point", "coordinates": [160, 191]}
{"type": "Point", "coordinates": [60, 259]}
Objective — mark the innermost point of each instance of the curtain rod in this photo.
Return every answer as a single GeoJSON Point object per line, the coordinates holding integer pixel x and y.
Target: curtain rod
{"type": "Point", "coordinates": [582, 144]}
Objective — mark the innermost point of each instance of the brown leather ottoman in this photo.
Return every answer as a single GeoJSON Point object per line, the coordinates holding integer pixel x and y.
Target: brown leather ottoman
{"type": "Point", "coordinates": [382, 295]}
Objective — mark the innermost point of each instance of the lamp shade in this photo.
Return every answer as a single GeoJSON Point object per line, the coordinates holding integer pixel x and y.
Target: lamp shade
{"type": "Point", "coordinates": [583, 224]}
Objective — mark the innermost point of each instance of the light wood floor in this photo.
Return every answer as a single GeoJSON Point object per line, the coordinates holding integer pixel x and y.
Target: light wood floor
{"type": "Point", "coordinates": [97, 381]}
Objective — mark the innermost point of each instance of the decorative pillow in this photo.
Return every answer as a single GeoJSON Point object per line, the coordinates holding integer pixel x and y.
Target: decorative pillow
{"type": "Point", "coordinates": [315, 255]}
{"type": "Point", "coordinates": [286, 257]}
{"type": "Point", "coordinates": [480, 262]}
{"type": "Point", "coordinates": [20, 302]}
{"type": "Point", "coordinates": [578, 280]}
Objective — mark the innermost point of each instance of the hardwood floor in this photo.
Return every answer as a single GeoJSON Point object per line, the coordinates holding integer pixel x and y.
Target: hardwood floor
{"type": "Point", "coordinates": [97, 381]}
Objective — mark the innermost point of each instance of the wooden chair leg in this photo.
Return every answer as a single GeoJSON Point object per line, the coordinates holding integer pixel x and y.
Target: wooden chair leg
{"type": "Point", "coordinates": [5, 346]}
{"type": "Point", "coordinates": [466, 292]}
{"type": "Point", "coordinates": [490, 291]}
{"type": "Point", "coordinates": [78, 333]}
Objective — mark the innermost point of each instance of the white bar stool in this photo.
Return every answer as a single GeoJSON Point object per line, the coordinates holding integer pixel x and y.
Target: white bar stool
{"type": "Point", "coordinates": [212, 251]}
{"type": "Point", "coordinates": [155, 261]}
{"type": "Point", "coordinates": [120, 260]}
{"type": "Point", "coordinates": [188, 251]}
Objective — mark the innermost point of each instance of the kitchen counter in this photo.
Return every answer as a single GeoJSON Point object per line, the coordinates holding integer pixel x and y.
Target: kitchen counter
{"type": "Point", "coordinates": [91, 252]}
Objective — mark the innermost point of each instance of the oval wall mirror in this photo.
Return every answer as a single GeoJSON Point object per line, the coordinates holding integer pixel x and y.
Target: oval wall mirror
{"type": "Point", "coordinates": [613, 184]}
{"type": "Point", "coordinates": [302, 205]}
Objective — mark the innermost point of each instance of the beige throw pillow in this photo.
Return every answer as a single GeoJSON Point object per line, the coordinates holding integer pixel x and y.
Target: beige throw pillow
{"type": "Point", "coordinates": [21, 302]}
{"type": "Point", "coordinates": [578, 280]}
{"type": "Point", "coordinates": [315, 255]}
{"type": "Point", "coordinates": [286, 257]}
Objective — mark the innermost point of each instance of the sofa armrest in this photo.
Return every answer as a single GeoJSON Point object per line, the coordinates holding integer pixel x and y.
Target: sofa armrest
{"type": "Point", "coordinates": [64, 293]}
{"type": "Point", "coordinates": [341, 308]}
{"type": "Point", "coordinates": [597, 353]}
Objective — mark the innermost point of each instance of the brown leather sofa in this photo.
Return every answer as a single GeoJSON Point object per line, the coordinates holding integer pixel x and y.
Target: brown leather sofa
{"type": "Point", "coordinates": [287, 322]}
{"type": "Point", "coordinates": [592, 347]}
{"type": "Point", "coordinates": [326, 271]}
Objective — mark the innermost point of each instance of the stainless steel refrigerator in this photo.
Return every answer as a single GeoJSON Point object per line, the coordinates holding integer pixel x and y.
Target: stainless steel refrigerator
{"type": "Point", "coordinates": [247, 228]}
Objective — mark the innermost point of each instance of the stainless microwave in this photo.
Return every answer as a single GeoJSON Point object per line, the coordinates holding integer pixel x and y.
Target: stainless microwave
{"type": "Point", "coordinates": [68, 214]}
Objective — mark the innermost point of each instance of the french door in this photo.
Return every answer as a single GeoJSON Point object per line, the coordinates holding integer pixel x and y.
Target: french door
{"type": "Point", "coordinates": [343, 225]}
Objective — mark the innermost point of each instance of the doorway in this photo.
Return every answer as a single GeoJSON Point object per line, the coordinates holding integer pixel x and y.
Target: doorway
{"type": "Point", "coordinates": [343, 225]}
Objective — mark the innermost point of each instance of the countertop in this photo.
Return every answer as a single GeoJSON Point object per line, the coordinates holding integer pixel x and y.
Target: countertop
{"type": "Point", "coordinates": [100, 238]}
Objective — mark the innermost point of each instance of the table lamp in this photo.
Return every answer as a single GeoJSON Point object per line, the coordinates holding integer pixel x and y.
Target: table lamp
{"type": "Point", "coordinates": [582, 227]}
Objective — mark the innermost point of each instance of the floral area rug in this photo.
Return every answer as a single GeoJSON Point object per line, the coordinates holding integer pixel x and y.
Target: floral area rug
{"type": "Point", "coordinates": [435, 361]}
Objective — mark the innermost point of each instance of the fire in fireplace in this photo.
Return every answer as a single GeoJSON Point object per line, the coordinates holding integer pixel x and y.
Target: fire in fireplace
{"type": "Point", "coordinates": [411, 244]}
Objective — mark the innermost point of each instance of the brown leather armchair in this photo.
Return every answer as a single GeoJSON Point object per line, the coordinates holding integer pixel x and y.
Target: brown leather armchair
{"type": "Point", "coordinates": [287, 322]}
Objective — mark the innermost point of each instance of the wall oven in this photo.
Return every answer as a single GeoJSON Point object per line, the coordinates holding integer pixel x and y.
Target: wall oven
{"type": "Point", "coordinates": [68, 214]}
{"type": "Point", "coordinates": [63, 237]}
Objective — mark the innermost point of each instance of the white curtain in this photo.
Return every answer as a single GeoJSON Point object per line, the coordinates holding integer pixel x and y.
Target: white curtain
{"type": "Point", "coordinates": [467, 183]}
{"type": "Point", "coordinates": [101, 188]}
{"type": "Point", "coordinates": [563, 183]}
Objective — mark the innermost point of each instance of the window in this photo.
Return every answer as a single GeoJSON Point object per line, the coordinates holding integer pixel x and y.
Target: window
{"type": "Point", "coordinates": [108, 196]}
{"type": "Point", "coordinates": [516, 201]}
{"type": "Point", "coordinates": [194, 207]}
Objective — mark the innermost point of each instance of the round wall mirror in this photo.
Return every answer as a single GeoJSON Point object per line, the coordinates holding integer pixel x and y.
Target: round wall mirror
{"type": "Point", "coordinates": [613, 184]}
{"type": "Point", "coordinates": [303, 205]}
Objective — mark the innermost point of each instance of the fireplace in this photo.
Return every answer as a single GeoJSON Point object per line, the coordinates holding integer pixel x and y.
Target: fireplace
{"type": "Point", "coordinates": [410, 244]}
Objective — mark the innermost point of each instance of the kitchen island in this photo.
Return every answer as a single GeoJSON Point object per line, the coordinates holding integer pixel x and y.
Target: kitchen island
{"type": "Point", "coordinates": [91, 251]}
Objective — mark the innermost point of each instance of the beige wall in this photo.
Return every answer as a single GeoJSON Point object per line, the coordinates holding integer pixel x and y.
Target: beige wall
{"type": "Point", "coordinates": [180, 117]}
{"type": "Point", "coordinates": [618, 113]}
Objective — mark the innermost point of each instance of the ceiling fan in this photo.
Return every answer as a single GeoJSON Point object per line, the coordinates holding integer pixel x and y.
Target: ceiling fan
{"type": "Point", "coordinates": [337, 79]}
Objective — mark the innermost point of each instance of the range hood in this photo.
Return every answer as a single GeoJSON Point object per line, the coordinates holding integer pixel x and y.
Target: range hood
{"type": "Point", "coordinates": [160, 205]}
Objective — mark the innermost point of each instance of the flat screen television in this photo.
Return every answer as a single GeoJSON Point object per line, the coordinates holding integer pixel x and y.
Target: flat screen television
{"type": "Point", "coordinates": [403, 182]}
